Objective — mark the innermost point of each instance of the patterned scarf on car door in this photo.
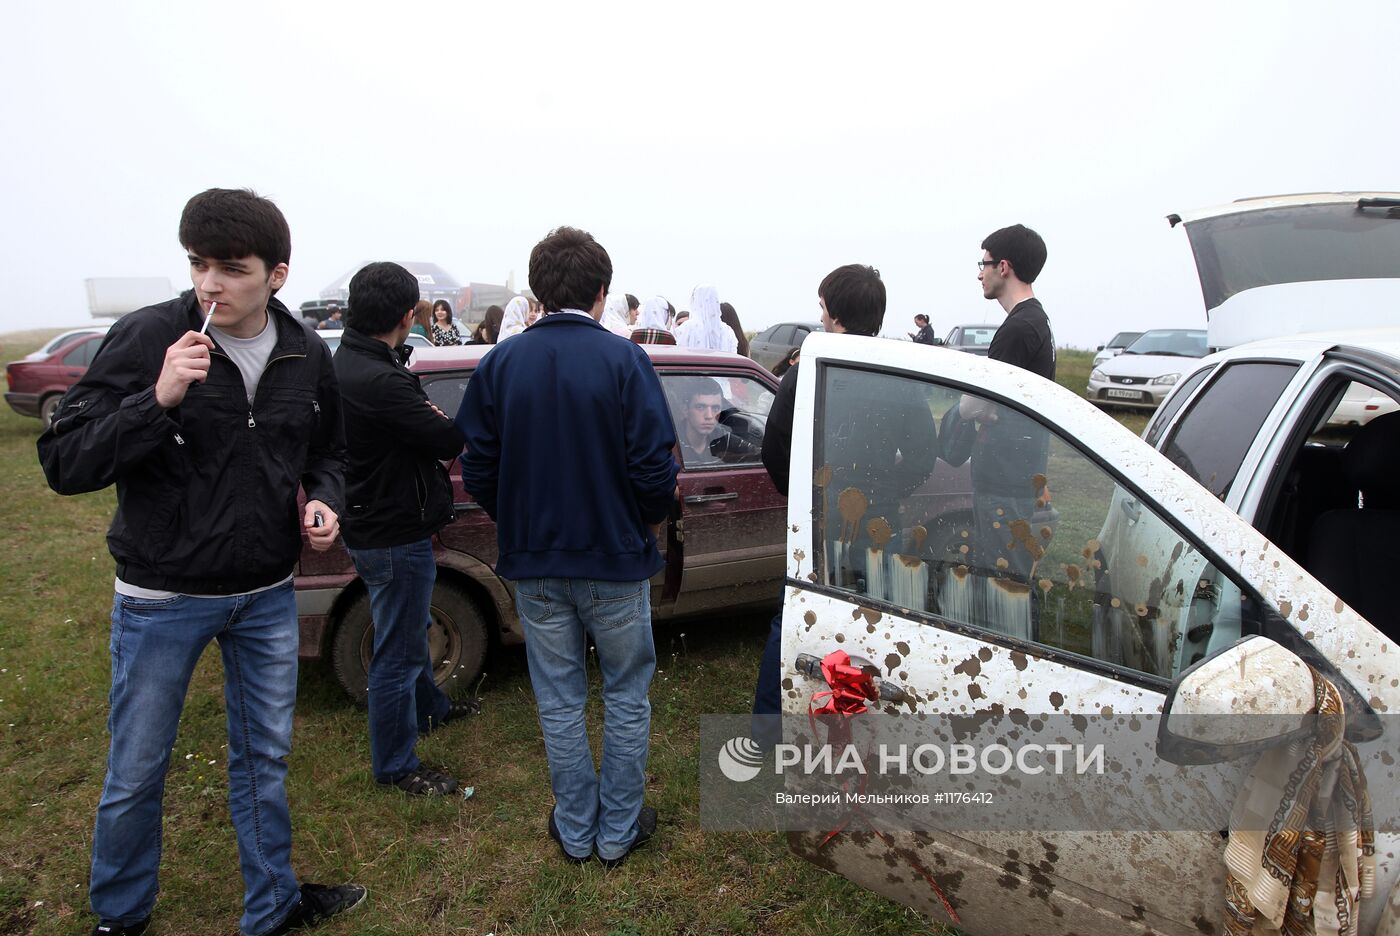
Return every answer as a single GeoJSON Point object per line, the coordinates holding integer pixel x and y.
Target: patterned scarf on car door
{"type": "Point", "coordinates": [1301, 854]}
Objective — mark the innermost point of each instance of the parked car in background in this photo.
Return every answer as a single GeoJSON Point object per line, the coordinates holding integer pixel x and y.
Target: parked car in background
{"type": "Point", "coordinates": [53, 344]}
{"type": "Point", "coordinates": [723, 547]}
{"type": "Point", "coordinates": [1145, 372]}
{"type": "Point", "coordinates": [34, 386]}
{"type": "Point", "coordinates": [776, 342]}
{"type": "Point", "coordinates": [1115, 346]}
{"type": "Point", "coordinates": [974, 339]}
{"type": "Point", "coordinates": [332, 336]}
{"type": "Point", "coordinates": [1152, 582]}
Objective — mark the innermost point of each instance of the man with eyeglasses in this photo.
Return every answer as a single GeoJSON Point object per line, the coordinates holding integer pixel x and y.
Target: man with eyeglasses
{"type": "Point", "coordinates": [1008, 449]}
{"type": "Point", "coordinates": [704, 401]}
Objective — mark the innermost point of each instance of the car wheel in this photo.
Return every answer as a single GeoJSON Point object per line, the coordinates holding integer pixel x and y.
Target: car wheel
{"type": "Point", "coordinates": [47, 407]}
{"type": "Point", "coordinates": [457, 639]}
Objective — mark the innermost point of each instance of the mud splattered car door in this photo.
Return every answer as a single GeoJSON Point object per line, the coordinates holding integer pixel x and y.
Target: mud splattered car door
{"type": "Point", "coordinates": [1088, 574]}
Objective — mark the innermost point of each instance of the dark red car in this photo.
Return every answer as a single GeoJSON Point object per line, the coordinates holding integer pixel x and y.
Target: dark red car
{"type": "Point", "coordinates": [34, 386]}
{"type": "Point", "coordinates": [724, 548]}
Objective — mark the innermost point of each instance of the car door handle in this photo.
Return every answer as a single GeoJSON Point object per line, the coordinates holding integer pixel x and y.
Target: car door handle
{"type": "Point", "coordinates": [709, 498]}
{"type": "Point", "coordinates": [810, 665]}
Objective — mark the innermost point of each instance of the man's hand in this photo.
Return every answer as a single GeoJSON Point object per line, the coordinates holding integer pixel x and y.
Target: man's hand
{"type": "Point", "coordinates": [186, 362]}
{"type": "Point", "coordinates": [438, 411]}
{"type": "Point", "coordinates": [324, 534]}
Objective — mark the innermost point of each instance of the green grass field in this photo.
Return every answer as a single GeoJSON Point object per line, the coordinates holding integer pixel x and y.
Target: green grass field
{"type": "Point", "coordinates": [476, 866]}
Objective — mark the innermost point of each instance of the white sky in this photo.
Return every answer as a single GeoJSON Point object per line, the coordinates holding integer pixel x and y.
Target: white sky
{"type": "Point", "coordinates": [752, 145]}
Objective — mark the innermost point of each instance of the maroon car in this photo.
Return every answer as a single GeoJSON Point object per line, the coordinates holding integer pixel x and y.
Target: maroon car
{"type": "Point", "coordinates": [723, 546]}
{"type": "Point", "coordinates": [34, 386]}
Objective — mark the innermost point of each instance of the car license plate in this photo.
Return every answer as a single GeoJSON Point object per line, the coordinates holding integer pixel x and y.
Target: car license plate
{"type": "Point", "coordinates": [1117, 394]}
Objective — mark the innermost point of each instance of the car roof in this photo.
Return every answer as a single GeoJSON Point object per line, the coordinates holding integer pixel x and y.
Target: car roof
{"type": "Point", "coordinates": [1385, 341]}
{"type": "Point", "coordinates": [980, 325]}
{"type": "Point", "coordinates": [446, 358]}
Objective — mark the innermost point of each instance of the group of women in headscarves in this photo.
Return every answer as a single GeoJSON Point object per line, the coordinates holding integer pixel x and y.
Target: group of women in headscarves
{"type": "Point", "coordinates": [709, 325]}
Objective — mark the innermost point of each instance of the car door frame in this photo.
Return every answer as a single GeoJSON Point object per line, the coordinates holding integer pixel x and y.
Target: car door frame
{"type": "Point", "coordinates": [1312, 619]}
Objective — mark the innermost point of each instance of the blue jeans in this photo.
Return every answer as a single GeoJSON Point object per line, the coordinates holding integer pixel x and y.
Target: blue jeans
{"type": "Point", "coordinates": [404, 699]}
{"type": "Point", "coordinates": [155, 645]}
{"type": "Point", "coordinates": [594, 810]}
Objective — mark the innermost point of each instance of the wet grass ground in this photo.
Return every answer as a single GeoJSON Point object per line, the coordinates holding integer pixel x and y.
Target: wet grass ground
{"type": "Point", "coordinates": [482, 865]}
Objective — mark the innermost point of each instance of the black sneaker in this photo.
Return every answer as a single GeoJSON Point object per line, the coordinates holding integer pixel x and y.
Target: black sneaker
{"type": "Point", "coordinates": [646, 828]}
{"type": "Point", "coordinates": [554, 834]}
{"type": "Point", "coordinates": [319, 903]}
{"type": "Point", "coordinates": [461, 708]}
{"type": "Point", "coordinates": [117, 929]}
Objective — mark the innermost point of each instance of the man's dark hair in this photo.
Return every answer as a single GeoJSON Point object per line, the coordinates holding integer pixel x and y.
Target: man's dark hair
{"type": "Point", "coordinates": [1019, 246]}
{"type": "Point", "coordinates": [632, 304]}
{"type": "Point", "coordinates": [442, 304]}
{"type": "Point", "coordinates": [855, 296]}
{"type": "Point", "coordinates": [226, 224]}
{"type": "Point", "coordinates": [701, 386]}
{"type": "Point", "coordinates": [921, 318]}
{"type": "Point", "coordinates": [568, 268]}
{"type": "Point", "coordinates": [381, 294]}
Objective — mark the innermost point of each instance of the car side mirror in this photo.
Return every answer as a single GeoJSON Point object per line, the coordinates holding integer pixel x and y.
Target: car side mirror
{"type": "Point", "coordinates": [1099, 348]}
{"type": "Point", "coordinates": [937, 341]}
{"type": "Point", "coordinates": [1253, 695]}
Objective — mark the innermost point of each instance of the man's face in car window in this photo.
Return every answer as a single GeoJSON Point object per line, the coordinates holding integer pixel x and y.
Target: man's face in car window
{"type": "Point", "coordinates": [702, 414]}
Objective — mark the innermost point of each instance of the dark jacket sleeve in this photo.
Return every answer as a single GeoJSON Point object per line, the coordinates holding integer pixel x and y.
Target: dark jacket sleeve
{"type": "Point", "coordinates": [476, 419]}
{"type": "Point", "coordinates": [650, 438]}
{"type": "Point", "coordinates": [324, 475]}
{"type": "Point", "coordinates": [401, 410]}
{"type": "Point", "coordinates": [777, 437]}
{"type": "Point", "coordinates": [109, 422]}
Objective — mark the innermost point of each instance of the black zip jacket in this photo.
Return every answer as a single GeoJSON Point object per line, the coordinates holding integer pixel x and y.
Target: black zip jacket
{"type": "Point", "coordinates": [207, 491]}
{"type": "Point", "coordinates": [396, 490]}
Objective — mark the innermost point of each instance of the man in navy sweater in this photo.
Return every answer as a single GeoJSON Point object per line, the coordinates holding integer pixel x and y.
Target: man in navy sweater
{"type": "Point", "coordinates": [569, 450]}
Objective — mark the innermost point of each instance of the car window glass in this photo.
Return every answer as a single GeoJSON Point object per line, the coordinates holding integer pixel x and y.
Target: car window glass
{"type": "Point", "coordinates": [446, 391]}
{"type": "Point", "coordinates": [1167, 410]}
{"type": "Point", "coordinates": [978, 336]}
{"type": "Point", "coordinates": [81, 356]}
{"type": "Point", "coordinates": [719, 419]}
{"type": "Point", "coordinates": [1123, 339]}
{"type": "Point", "coordinates": [1210, 440]}
{"type": "Point", "coordinates": [783, 334]}
{"type": "Point", "coordinates": [767, 334]}
{"type": "Point", "coordinates": [1010, 529]}
{"type": "Point", "coordinates": [1170, 341]}
{"type": "Point", "coordinates": [1359, 404]}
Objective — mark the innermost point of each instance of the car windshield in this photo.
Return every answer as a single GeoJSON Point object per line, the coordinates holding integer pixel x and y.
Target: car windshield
{"type": "Point", "coordinates": [1171, 342]}
{"type": "Point", "coordinates": [1123, 339]}
{"type": "Point", "coordinates": [978, 336]}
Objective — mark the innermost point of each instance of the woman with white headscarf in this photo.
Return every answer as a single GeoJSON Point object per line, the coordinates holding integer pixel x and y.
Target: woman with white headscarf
{"type": "Point", "coordinates": [651, 324]}
{"type": "Point", "coordinates": [705, 328]}
{"type": "Point", "coordinates": [516, 318]}
{"type": "Point", "coordinates": [615, 315]}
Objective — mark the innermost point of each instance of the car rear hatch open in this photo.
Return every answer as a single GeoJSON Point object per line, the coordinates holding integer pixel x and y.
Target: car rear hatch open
{"type": "Point", "coordinates": [1296, 263]}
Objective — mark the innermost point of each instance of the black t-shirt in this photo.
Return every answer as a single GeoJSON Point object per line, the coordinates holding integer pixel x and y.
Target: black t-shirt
{"type": "Point", "coordinates": [777, 437]}
{"type": "Point", "coordinates": [1012, 451]}
{"type": "Point", "coordinates": [1025, 340]}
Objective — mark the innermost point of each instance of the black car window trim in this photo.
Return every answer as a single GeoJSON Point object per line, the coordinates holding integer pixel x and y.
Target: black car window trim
{"type": "Point", "coordinates": [767, 382]}
{"type": "Point", "coordinates": [1252, 598]}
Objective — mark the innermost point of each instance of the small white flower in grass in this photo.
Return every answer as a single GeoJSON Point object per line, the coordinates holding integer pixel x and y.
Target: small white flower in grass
{"type": "Point", "coordinates": [189, 757]}
{"type": "Point", "coordinates": [38, 903]}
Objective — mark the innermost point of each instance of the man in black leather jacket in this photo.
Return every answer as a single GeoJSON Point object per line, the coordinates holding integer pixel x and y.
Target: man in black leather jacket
{"type": "Point", "coordinates": [397, 497]}
{"type": "Point", "coordinates": [207, 437]}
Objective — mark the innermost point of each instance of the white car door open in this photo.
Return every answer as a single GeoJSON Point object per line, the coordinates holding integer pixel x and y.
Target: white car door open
{"type": "Point", "coordinates": [1047, 564]}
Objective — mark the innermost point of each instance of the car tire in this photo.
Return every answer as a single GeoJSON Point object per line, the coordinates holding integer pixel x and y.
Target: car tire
{"type": "Point", "coordinates": [47, 407]}
{"type": "Point", "coordinates": [458, 637]}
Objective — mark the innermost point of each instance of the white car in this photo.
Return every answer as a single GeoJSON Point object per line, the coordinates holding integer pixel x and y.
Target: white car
{"type": "Point", "coordinates": [1177, 573]}
{"type": "Point", "coordinates": [1146, 371]}
{"type": "Point", "coordinates": [1115, 346]}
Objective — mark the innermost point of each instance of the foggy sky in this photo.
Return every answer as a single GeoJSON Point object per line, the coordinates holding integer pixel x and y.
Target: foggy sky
{"type": "Point", "coordinates": [754, 146]}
